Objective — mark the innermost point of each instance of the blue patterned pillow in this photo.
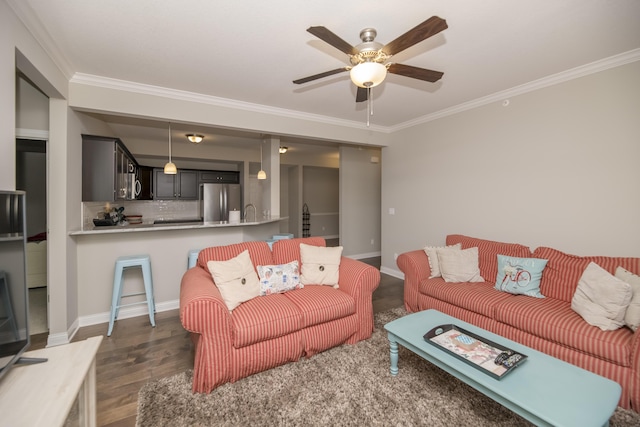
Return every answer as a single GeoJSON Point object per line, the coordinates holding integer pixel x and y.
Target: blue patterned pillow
{"type": "Point", "coordinates": [520, 275]}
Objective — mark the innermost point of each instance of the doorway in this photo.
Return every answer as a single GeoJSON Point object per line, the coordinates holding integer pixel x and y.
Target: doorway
{"type": "Point", "coordinates": [31, 176]}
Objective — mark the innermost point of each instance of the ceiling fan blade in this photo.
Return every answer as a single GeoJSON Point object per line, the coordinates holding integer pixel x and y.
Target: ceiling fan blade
{"type": "Point", "coordinates": [321, 75]}
{"type": "Point", "coordinates": [327, 36]}
{"type": "Point", "coordinates": [415, 72]}
{"type": "Point", "coordinates": [428, 28]}
{"type": "Point", "coordinates": [362, 94]}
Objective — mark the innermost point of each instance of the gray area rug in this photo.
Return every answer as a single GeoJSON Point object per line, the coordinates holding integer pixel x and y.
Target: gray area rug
{"type": "Point", "coordinates": [345, 386]}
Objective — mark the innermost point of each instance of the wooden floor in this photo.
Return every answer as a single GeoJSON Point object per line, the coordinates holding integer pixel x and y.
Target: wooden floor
{"type": "Point", "coordinates": [137, 353]}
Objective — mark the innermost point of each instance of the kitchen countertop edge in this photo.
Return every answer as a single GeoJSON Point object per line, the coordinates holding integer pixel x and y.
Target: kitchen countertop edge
{"type": "Point", "coordinates": [166, 227]}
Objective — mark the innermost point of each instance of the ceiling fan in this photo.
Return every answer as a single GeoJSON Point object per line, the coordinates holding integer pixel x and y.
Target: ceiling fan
{"type": "Point", "coordinates": [369, 64]}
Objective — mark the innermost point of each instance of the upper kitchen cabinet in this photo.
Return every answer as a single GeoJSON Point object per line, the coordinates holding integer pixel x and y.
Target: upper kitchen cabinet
{"type": "Point", "coordinates": [108, 170]}
{"type": "Point", "coordinates": [220, 177]}
{"type": "Point", "coordinates": [183, 185]}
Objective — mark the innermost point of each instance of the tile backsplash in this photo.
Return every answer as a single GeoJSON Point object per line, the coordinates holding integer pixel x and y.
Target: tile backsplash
{"type": "Point", "coordinates": [149, 209]}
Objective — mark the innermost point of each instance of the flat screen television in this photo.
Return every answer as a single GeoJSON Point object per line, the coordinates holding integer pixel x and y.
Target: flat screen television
{"type": "Point", "coordinates": [14, 297]}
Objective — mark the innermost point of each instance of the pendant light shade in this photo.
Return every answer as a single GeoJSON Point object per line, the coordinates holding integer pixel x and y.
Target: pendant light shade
{"type": "Point", "coordinates": [170, 168]}
{"type": "Point", "coordinates": [261, 174]}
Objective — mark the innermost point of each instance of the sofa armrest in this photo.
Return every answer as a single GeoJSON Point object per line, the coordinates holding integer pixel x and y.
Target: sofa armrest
{"type": "Point", "coordinates": [201, 305]}
{"type": "Point", "coordinates": [359, 280]}
{"type": "Point", "coordinates": [415, 266]}
{"type": "Point", "coordinates": [203, 312]}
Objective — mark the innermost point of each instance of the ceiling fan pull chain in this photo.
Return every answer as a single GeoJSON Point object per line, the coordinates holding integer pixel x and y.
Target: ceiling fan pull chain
{"type": "Point", "coordinates": [368, 105]}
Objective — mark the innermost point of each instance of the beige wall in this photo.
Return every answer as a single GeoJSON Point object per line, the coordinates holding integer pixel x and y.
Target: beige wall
{"type": "Point", "coordinates": [556, 167]}
{"type": "Point", "coordinates": [360, 201]}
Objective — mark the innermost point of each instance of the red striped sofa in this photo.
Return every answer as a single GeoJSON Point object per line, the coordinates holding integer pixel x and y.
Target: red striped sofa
{"type": "Point", "coordinates": [545, 324]}
{"type": "Point", "coordinates": [271, 330]}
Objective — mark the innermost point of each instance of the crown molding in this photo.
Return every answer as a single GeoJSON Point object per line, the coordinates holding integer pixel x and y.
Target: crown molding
{"type": "Point", "coordinates": [35, 27]}
{"type": "Point", "coordinates": [145, 89]}
{"type": "Point", "coordinates": [574, 73]}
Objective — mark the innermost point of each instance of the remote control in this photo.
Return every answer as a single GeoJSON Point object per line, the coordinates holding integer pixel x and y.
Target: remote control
{"type": "Point", "coordinates": [512, 360]}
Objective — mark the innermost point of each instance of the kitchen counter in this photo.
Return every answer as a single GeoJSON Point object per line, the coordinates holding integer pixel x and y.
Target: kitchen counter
{"type": "Point", "coordinates": [170, 226]}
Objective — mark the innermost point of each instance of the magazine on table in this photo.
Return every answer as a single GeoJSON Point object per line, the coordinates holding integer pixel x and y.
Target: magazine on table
{"type": "Point", "coordinates": [487, 356]}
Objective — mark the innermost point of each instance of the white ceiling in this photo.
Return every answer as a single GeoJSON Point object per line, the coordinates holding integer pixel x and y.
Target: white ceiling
{"type": "Point", "coordinates": [250, 51]}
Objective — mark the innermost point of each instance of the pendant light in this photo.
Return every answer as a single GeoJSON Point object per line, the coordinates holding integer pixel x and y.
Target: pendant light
{"type": "Point", "coordinates": [170, 167]}
{"type": "Point", "coordinates": [262, 174]}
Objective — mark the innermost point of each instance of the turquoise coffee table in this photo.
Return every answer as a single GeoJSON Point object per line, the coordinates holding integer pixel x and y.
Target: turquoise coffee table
{"type": "Point", "coordinates": [543, 389]}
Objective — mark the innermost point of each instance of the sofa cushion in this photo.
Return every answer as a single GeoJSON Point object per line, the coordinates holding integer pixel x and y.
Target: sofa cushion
{"type": "Point", "coordinates": [320, 304]}
{"type": "Point", "coordinates": [632, 316]}
{"type": "Point", "coordinates": [258, 251]}
{"type": "Point", "coordinates": [265, 318]}
{"type": "Point", "coordinates": [432, 255]}
{"type": "Point", "coordinates": [288, 250]}
{"type": "Point", "coordinates": [459, 265]}
{"type": "Point", "coordinates": [479, 297]}
{"type": "Point", "coordinates": [236, 279]}
{"type": "Point", "coordinates": [488, 251]}
{"type": "Point", "coordinates": [520, 276]}
{"type": "Point", "coordinates": [320, 265]}
{"type": "Point", "coordinates": [554, 320]}
{"type": "Point", "coordinates": [601, 298]}
{"type": "Point", "coordinates": [561, 275]}
{"type": "Point", "coordinates": [275, 279]}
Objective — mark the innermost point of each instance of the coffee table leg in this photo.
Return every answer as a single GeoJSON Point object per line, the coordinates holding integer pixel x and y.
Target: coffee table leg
{"type": "Point", "coordinates": [393, 345]}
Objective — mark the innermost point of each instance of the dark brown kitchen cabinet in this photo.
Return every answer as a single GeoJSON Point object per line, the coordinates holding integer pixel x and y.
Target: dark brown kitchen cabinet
{"type": "Point", "coordinates": [108, 170]}
{"type": "Point", "coordinates": [183, 185]}
{"type": "Point", "coordinates": [219, 177]}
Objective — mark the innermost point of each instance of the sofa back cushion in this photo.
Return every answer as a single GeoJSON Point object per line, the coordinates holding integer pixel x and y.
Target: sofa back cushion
{"type": "Point", "coordinates": [287, 250]}
{"type": "Point", "coordinates": [488, 252]}
{"type": "Point", "coordinates": [563, 271]}
{"type": "Point", "coordinates": [258, 251]}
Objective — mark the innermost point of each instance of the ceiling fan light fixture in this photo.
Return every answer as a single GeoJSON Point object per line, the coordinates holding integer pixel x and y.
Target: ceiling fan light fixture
{"type": "Point", "coordinates": [195, 138]}
{"type": "Point", "coordinates": [368, 74]}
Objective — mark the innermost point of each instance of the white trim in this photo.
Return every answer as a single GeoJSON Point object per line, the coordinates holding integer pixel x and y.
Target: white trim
{"type": "Point", "coordinates": [574, 73]}
{"type": "Point", "coordinates": [392, 272]}
{"type": "Point", "coordinates": [63, 338]}
{"type": "Point", "coordinates": [363, 256]}
{"type": "Point", "coordinates": [145, 89]}
{"type": "Point", "coordinates": [32, 134]}
{"type": "Point", "coordinates": [127, 312]}
{"type": "Point", "coordinates": [325, 214]}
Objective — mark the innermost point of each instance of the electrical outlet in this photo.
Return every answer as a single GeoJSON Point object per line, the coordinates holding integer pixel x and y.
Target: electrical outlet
{"type": "Point", "coordinates": [372, 241]}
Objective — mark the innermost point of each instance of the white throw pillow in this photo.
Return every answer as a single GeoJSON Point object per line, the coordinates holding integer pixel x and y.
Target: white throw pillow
{"type": "Point", "coordinates": [601, 299]}
{"type": "Point", "coordinates": [632, 315]}
{"type": "Point", "coordinates": [236, 279]}
{"type": "Point", "coordinates": [320, 265]}
{"type": "Point", "coordinates": [432, 256]}
{"type": "Point", "coordinates": [459, 265]}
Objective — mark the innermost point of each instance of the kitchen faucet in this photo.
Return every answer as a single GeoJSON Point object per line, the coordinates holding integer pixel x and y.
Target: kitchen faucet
{"type": "Point", "coordinates": [255, 216]}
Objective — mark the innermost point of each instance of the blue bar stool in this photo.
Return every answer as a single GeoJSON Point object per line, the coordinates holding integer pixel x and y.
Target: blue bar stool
{"type": "Point", "coordinates": [122, 263]}
{"type": "Point", "coordinates": [193, 258]}
{"type": "Point", "coordinates": [282, 236]}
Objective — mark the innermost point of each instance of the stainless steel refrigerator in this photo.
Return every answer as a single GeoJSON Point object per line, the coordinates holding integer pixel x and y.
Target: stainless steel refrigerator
{"type": "Point", "coordinates": [216, 200]}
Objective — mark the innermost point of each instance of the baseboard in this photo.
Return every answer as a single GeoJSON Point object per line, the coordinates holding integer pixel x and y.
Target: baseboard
{"type": "Point", "coordinates": [128, 312]}
{"type": "Point", "coordinates": [63, 337]}
{"type": "Point", "coordinates": [392, 272]}
{"type": "Point", "coordinates": [363, 256]}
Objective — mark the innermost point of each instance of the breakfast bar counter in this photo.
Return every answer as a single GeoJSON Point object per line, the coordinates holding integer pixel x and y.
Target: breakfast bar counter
{"type": "Point", "coordinates": [168, 245]}
{"type": "Point", "coordinates": [189, 225]}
